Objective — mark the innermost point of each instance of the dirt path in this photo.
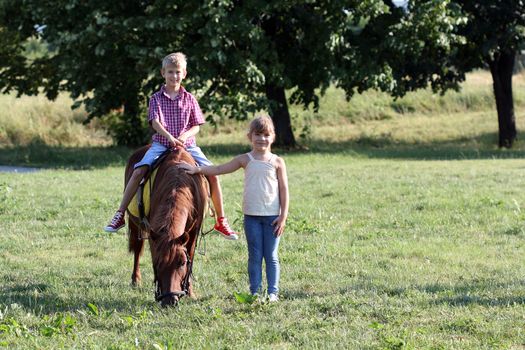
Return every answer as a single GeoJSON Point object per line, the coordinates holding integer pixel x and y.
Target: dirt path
{"type": "Point", "coordinates": [17, 169]}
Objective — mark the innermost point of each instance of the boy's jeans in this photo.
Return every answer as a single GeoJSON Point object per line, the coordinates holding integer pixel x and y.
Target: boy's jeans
{"type": "Point", "coordinates": [262, 243]}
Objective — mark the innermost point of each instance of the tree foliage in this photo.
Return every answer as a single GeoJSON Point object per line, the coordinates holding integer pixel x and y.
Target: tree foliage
{"type": "Point", "coordinates": [402, 49]}
{"type": "Point", "coordinates": [243, 54]}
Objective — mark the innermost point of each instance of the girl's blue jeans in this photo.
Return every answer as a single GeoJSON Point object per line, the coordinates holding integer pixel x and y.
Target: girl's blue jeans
{"type": "Point", "coordinates": [262, 243]}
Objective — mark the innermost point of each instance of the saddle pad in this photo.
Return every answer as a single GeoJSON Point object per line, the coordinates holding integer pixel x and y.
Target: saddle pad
{"type": "Point", "coordinates": [133, 207]}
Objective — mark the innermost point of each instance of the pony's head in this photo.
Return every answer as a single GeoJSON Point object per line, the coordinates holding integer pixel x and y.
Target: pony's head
{"type": "Point", "coordinates": [172, 270]}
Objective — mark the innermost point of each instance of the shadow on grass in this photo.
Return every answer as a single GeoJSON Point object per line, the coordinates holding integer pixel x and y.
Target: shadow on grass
{"type": "Point", "coordinates": [475, 293]}
{"type": "Point", "coordinates": [483, 292]}
{"type": "Point", "coordinates": [41, 296]}
{"type": "Point", "coordinates": [58, 157]}
{"type": "Point", "coordinates": [481, 147]}
{"type": "Point", "coordinates": [383, 147]}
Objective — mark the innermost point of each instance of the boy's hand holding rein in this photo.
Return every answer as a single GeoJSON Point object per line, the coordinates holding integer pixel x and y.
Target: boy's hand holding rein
{"type": "Point", "coordinates": [175, 142]}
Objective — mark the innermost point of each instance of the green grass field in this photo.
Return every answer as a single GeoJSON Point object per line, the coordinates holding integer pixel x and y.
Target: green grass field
{"type": "Point", "coordinates": [406, 231]}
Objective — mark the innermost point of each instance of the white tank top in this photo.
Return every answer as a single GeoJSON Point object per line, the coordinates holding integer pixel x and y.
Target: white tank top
{"type": "Point", "coordinates": [261, 188]}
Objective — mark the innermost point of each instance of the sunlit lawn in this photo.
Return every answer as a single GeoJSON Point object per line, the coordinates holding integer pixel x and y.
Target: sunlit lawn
{"type": "Point", "coordinates": [406, 232]}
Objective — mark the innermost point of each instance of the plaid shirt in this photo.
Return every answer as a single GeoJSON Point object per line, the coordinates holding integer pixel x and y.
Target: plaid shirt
{"type": "Point", "coordinates": [176, 115]}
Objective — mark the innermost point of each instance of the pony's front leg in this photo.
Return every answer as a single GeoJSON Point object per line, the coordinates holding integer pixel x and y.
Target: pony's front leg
{"type": "Point", "coordinates": [136, 277]}
{"type": "Point", "coordinates": [136, 246]}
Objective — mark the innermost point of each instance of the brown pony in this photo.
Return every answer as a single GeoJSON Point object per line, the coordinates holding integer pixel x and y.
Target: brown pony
{"type": "Point", "coordinates": [176, 214]}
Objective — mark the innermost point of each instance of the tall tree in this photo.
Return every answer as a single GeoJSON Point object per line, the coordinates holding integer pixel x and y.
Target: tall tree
{"type": "Point", "coordinates": [435, 43]}
{"type": "Point", "coordinates": [495, 30]}
{"type": "Point", "coordinates": [243, 55]}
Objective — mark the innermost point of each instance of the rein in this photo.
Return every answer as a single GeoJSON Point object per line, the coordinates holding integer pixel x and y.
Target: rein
{"type": "Point", "coordinates": [147, 179]}
{"type": "Point", "coordinates": [200, 240]}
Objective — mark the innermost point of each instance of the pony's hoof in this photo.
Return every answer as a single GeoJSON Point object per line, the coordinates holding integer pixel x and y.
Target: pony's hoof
{"type": "Point", "coordinates": [136, 284]}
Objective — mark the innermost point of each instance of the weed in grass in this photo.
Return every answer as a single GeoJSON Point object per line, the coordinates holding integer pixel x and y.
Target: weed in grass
{"type": "Point", "coordinates": [59, 324]}
{"type": "Point", "coordinates": [462, 325]}
{"type": "Point", "coordinates": [10, 326]}
{"type": "Point", "coordinates": [245, 298]}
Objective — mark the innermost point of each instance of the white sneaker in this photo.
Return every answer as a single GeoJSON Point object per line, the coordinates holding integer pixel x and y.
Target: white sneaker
{"type": "Point", "coordinates": [273, 297]}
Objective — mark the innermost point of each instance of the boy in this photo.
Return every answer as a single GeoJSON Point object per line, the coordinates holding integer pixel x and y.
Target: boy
{"type": "Point", "coordinates": [173, 112]}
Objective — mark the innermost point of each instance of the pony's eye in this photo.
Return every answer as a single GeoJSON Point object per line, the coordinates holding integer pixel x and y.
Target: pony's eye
{"type": "Point", "coordinates": [181, 264]}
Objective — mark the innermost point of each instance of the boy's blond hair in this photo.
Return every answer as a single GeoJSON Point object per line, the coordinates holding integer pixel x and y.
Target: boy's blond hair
{"type": "Point", "coordinates": [261, 124]}
{"type": "Point", "coordinates": [177, 59]}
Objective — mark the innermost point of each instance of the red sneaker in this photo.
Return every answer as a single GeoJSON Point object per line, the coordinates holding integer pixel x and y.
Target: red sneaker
{"type": "Point", "coordinates": [116, 223]}
{"type": "Point", "coordinates": [224, 229]}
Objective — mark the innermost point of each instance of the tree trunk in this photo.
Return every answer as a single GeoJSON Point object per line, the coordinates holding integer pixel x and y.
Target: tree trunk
{"type": "Point", "coordinates": [501, 68]}
{"type": "Point", "coordinates": [280, 116]}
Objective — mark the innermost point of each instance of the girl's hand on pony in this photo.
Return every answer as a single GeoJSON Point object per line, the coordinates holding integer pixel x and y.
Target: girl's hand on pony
{"type": "Point", "coordinates": [190, 169]}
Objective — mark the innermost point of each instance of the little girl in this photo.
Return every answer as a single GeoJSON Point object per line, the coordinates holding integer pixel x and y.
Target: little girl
{"type": "Point", "coordinates": [265, 202]}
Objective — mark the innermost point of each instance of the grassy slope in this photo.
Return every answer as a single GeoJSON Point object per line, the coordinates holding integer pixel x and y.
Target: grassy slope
{"type": "Point", "coordinates": [411, 240]}
{"type": "Point", "coordinates": [36, 120]}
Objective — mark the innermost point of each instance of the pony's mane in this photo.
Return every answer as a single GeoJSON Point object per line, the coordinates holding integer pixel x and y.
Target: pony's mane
{"type": "Point", "coordinates": [175, 190]}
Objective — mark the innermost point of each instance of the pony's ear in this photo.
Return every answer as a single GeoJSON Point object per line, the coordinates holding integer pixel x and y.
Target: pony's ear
{"type": "Point", "coordinates": [183, 239]}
